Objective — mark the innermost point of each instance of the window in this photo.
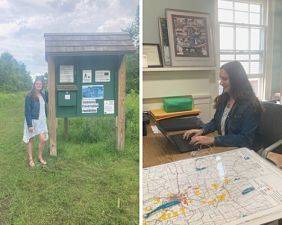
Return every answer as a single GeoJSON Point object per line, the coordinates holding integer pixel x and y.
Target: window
{"type": "Point", "coordinates": [242, 35]}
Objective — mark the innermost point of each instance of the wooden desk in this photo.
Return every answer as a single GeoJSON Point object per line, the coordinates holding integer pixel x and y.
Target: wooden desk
{"type": "Point", "coordinates": [158, 150]}
{"type": "Point", "coordinates": [276, 158]}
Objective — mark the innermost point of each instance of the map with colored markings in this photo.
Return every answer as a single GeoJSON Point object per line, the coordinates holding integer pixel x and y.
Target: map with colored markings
{"type": "Point", "coordinates": [233, 187]}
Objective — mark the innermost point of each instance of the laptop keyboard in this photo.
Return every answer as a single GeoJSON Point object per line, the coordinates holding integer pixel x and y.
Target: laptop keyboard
{"type": "Point", "coordinates": [184, 145]}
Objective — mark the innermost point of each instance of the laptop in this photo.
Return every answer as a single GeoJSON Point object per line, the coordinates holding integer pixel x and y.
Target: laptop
{"type": "Point", "coordinates": [177, 124]}
{"type": "Point", "coordinates": [183, 145]}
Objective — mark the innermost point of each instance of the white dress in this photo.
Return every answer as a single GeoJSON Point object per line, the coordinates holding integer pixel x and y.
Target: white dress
{"type": "Point", "coordinates": [39, 126]}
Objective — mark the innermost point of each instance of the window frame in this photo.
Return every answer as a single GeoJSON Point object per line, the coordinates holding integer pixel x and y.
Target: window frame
{"type": "Point", "coordinates": [234, 52]}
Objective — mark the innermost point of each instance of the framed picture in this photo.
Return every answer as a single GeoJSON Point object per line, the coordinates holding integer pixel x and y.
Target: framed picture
{"type": "Point", "coordinates": [190, 38]}
{"type": "Point", "coordinates": [153, 54]}
{"type": "Point", "coordinates": [164, 41]}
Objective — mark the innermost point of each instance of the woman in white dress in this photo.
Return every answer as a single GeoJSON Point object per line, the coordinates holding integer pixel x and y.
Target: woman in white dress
{"type": "Point", "coordinates": [35, 121]}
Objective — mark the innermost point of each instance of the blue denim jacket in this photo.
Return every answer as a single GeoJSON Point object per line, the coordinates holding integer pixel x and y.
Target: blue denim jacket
{"type": "Point", "coordinates": [241, 126]}
{"type": "Point", "coordinates": [32, 107]}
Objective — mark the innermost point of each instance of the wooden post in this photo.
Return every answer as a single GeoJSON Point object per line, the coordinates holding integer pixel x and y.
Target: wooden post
{"type": "Point", "coordinates": [121, 105]}
{"type": "Point", "coordinates": [66, 127]}
{"type": "Point", "coordinates": [52, 106]}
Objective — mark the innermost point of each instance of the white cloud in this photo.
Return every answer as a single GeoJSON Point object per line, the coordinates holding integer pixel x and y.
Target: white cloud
{"type": "Point", "coordinates": [114, 25]}
{"type": "Point", "coordinates": [4, 4]}
{"type": "Point", "coordinates": [24, 22]}
{"type": "Point", "coordinates": [39, 21]}
{"type": "Point", "coordinates": [9, 28]}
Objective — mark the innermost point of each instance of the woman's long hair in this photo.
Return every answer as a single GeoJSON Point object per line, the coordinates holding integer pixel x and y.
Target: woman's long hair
{"type": "Point", "coordinates": [240, 86]}
{"type": "Point", "coordinates": [33, 90]}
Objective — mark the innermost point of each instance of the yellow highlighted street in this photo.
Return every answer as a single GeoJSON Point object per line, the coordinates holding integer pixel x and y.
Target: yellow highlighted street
{"type": "Point", "coordinates": [221, 197]}
{"type": "Point", "coordinates": [215, 186]}
{"type": "Point", "coordinates": [147, 209]}
{"type": "Point", "coordinates": [211, 202]}
{"type": "Point", "coordinates": [157, 200]}
{"type": "Point", "coordinates": [163, 216]}
{"type": "Point", "coordinates": [168, 215]}
{"type": "Point", "coordinates": [226, 181]}
{"type": "Point", "coordinates": [183, 211]}
{"type": "Point", "coordinates": [197, 191]}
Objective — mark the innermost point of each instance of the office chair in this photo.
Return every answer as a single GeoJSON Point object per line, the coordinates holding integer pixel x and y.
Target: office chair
{"type": "Point", "coordinates": [271, 128]}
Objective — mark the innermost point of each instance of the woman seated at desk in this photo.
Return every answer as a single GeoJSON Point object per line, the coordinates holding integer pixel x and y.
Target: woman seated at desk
{"type": "Point", "coordinates": [237, 115]}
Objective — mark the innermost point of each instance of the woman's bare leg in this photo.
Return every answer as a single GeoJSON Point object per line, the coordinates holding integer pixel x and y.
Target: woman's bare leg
{"type": "Point", "coordinates": [40, 148]}
{"type": "Point", "coordinates": [30, 152]}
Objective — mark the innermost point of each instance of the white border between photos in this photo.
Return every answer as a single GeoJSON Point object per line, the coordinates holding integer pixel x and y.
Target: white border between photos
{"type": "Point", "coordinates": [140, 111]}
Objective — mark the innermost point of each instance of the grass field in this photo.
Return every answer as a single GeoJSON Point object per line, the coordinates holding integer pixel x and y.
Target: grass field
{"type": "Point", "coordinates": [89, 182]}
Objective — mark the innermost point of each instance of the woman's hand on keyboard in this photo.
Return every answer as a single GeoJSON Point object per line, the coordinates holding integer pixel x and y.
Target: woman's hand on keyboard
{"type": "Point", "coordinates": [193, 132]}
{"type": "Point", "coordinates": [203, 140]}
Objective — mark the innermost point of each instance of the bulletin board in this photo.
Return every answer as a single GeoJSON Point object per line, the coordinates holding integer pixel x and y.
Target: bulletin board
{"type": "Point", "coordinates": [94, 82]}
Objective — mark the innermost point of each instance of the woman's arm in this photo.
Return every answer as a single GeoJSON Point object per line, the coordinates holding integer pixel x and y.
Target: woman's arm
{"type": "Point", "coordinates": [27, 111]}
{"type": "Point", "coordinates": [212, 125]}
{"type": "Point", "coordinates": [245, 138]}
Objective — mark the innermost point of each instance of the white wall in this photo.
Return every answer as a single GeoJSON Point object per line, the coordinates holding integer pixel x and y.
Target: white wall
{"type": "Point", "coordinates": [202, 85]}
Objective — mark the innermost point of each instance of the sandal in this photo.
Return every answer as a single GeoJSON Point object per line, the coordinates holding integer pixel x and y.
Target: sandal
{"type": "Point", "coordinates": [31, 164]}
{"type": "Point", "coordinates": [42, 161]}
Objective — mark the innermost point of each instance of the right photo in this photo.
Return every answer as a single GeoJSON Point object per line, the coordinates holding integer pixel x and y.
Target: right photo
{"type": "Point", "coordinates": [212, 113]}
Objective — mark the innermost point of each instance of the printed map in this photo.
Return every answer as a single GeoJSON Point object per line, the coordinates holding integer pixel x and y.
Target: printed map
{"type": "Point", "coordinates": [227, 188]}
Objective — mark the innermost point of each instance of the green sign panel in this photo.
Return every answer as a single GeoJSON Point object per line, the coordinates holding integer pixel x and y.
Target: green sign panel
{"type": "Point", "coordinates": [86, 86]}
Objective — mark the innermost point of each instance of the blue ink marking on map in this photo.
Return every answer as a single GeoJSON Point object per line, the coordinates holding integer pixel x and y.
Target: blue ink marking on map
{"type": "Point", "coordinates": [199, 169]}
{"type": "Point", "coordinates": [247, 190]}
{"type": "Point", "coordinates": [162, 206]}
{"type": "Point", "coordinates": [246, 157]}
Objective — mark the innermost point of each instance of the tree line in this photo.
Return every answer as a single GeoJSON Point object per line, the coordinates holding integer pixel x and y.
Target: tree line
{"type": "Point", "coordinates": [13, 74]}
{"type": "Point", "coordinates": [132, 63]}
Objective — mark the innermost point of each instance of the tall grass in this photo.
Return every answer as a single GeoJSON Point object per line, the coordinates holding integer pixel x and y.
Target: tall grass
{"type": "Point", "coordinates": [89, 182]}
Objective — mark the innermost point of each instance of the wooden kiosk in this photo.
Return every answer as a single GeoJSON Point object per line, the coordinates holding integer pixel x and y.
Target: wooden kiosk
{"type": "Point", "coordinates": [86, 77]}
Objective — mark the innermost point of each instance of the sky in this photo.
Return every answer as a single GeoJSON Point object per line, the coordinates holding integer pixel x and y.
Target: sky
{"type": "Point", "coordinates": [24, 22]}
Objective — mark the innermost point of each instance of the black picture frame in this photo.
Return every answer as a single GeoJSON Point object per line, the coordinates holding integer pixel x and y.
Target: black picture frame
{"type": "Point", "coordinates": [164, 41]}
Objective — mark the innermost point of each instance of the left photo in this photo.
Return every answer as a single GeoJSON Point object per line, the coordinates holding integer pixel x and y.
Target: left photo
{"type": "Point", "coordinates": [69, 112]}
